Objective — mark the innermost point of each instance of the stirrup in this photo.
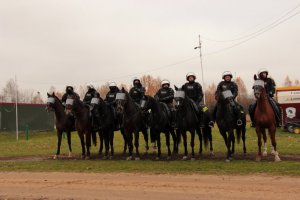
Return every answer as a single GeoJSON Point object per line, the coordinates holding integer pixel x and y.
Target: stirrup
{"type": "Point", "coordinates": [239, 122]}
{"type": "Point", "coordinates": [211, 124]}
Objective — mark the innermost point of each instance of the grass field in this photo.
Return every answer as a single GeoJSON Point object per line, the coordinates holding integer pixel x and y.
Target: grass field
{"type": "Point", "coordinates": [35, 155]}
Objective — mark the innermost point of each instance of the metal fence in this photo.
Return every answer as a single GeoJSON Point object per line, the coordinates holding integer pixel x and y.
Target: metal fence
{"type": "Point", "coordinates": [31, 116]}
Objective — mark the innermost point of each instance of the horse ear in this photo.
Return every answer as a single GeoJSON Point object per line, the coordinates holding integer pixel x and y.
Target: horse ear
{"type": "Point", "coordinates": [255, 77]}
{"type": "Point", "coordinates": [176, 88]}
{"type": "Point", "coordinates": [48, 94]}
{"type": "Point", "coordinates": [53, 94]}
{"type": "Point", "coordinates": [123, 90]}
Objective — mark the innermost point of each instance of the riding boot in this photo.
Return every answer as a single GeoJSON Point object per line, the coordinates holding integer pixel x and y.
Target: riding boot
{"type": "Point", "coordinates": [201, 119]}
{"type": "Point", "coordinates": [251, 113]}
{"type": "Point", "coordinates": [277, 111]}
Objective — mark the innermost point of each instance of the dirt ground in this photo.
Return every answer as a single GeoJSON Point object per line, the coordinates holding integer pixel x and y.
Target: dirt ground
{"type": "Point", "coordinates": [26, 185]}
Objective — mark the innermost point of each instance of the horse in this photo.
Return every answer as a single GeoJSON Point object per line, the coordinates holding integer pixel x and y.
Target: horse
{"type": "Point", "coordinates": [160, 123]}
{"type": "Point", "coordinates": [133, 121]}
{"type": "Point", "coordinates": [226, 119]}
{"type": "Point", "coordinates": [264, 118]}
{"type": "Point", "coordinates": [107, 126]}
{"type": "Point", "coordinates": [82, 123]}
{"type": "Point", "coordinates": [63, 122]}
{"type": "Point", "coordinates": [187, 120]}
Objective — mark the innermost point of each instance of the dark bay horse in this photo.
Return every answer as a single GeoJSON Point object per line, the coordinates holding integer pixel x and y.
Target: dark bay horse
{"type": "Point", "coordinates": [133, 121]}
{"type": "Point", "coordinates": [82, 123]}
{"type": "Point", "coordinates": [108, 125]}
{"type": "Point", "coordinates": [187, 120]}
{"type": "Point", "coordinates": [160, 123]}
{"type": "Point", "coordinates": [226, 120]}
{"type": "Point", "coordinates": [264, 118]}
{"type": "Point", "coordinates": [63, 122]}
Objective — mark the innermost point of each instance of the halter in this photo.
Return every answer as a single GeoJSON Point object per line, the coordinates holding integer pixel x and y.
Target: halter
{"type": "Point", "coordinates": [179, 94]}
{"type": "Point", "coordinates": [69, 102]}
{"type": "Point", "coordinates": [51, 100]}
{"type": "Point", "coordinates": [259, 83]}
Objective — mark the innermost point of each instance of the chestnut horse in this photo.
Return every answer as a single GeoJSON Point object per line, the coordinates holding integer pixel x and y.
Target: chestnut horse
{"type": "Point", "coordinates": [264, 118]}
{"type": "Point", "coordinates": [63, 122]}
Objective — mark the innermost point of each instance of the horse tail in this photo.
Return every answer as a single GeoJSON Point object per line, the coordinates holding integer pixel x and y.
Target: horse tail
{"type": "Point", "coordinates": [206, 135]}
{"type": "Point", "coordinates": [94, 138]}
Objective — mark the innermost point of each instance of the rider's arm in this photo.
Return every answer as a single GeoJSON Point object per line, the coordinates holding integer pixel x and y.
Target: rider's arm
{"type": "Point", "coordinates": [272, 88]}
{"type": "Point", "coordinates": [200, 92]}
{"type": "Point", "coordinates": [235, 90]}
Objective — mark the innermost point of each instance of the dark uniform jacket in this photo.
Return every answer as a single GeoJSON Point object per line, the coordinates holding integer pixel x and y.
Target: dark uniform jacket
{"type": "Point", "coordinates": [193, 91]}
{"type": "Point", "coordinates": [137, 93]}
{"type": "Point", "coordinates": [91, 93]}
{"type": "Point", "coordinates": [270, 86]}
{"type": "Point", "coordinates": [111, 96]}
{"type": "Point", "coordinates": [165, 95]}
{"type": "Point", "coordinates": [65, 96]}
{"type": "Point", "coordinates": [227, 85]}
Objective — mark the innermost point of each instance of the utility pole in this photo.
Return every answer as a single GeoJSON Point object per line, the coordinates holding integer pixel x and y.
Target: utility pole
{"type": "Point", "coordinates": [203, 84]}
{"type": "Point", "coordinates": [17, 122]}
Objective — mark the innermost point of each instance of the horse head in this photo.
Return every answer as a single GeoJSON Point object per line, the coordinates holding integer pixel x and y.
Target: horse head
{"type": "Point", "coordinates": [258, 88]}
{"type": "Point", "coordinates": [226, 97]}
{"type": "Point", "coordinates": [52, 100]}
{"type": "Point", "coordinates": [179, 96]}
{"type": "Point", "coordinates": [121, 99]}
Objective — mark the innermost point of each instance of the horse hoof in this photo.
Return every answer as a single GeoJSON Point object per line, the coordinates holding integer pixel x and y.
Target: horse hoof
{"type": "Point", "coordinates": [157, 158]}
{"type": "Point", "coordinates": [184, 158]}
{"type": "Point", "coordinates": [273, 153]}
{"type": "Point", "coordinates": [227, 160]}
{"type": "Point", "coordinates": [129, 158]}
{"type": "Point", "coordinates": [277, 159]}
{"type": "Point", "coordinates": [111, 157]}
{"type": "Point", "coordinates": [70, 155]}
{"type": "Point", "coordinates": [193, 159]}
{"type": "Point", "coordinates": [137, 158]}
{"type": "Point", "coordinates": [55, 157]}
{"type": "Point", "coordinates": [88, 158]}
{"type": "Point", "coordinates": [169, 158]}
{"type": "Point", "coordinates": [258, 158]}
{"type": "Point", "coordinates": [211, 154]}
{"type": "Point", "coordinates": [265, 153]}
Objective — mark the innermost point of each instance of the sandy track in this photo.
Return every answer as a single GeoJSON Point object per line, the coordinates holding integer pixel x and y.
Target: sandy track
{"type": "Point", "coordinates": [26, 185]}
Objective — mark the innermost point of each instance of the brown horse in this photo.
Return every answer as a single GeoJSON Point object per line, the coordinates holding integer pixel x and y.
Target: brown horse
{"type": "Point", "coordinates": [63, 122]}
{"type": "Point", "coordinates": [82, 123]}
{"type": "Point", "coordinates": [264, 118]}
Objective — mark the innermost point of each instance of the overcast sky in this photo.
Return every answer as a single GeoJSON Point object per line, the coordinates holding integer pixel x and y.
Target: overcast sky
{"type": "Point", "coordinates": [60, 42]}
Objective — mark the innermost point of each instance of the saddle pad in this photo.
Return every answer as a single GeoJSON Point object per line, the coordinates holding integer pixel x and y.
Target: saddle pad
{"type": "Point", "coordinates": [69, 101]}
{"type": "Point", "coordinates": [95, 101]}
{"type": "Point", "coordinates": [179, 94]}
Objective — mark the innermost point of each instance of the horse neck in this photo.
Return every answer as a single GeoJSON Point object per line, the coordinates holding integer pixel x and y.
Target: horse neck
{"type": "Point", "coordinates": [130, 106]}
{"type": "Point", "coordinates": [59, 110]}
{"type": "Point", "coordinates": [79, 108]}
{"type": "Point", "coordinates": [155, 105]}
{"type": "Point", "coordinates": [263, 102]}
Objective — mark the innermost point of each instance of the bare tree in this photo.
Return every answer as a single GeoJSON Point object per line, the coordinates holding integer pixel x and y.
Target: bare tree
{"type": "Point", "coordinates": [37, 99]}
{"type": "Point", "coordinates": [243, 97]}
{"type": "Point", "coordinates": [297, 82]}
{"type": "Point", "coordinates": [287, 81]}
{"type": "Point", "coordinates": [103, 90]}
{"type": "Point", "coordinates": [151, 84]}
{"type": "Point", "coordinates": [9, 91]}
{"type": "Point", "coordinates": [210, 95]}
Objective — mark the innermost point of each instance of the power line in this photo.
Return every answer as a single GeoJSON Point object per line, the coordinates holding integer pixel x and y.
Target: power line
{"type": "Point", "coordinates": [255, 32]}
{"type": "Point", "coordinates": [254, 36]}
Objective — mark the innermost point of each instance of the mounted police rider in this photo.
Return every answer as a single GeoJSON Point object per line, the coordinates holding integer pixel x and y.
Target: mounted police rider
{"type": "Point", "coordinates": [137, 92]}
{"type": "Point", "coordinates": [166, 95]}
{"type": "Point", "coordinates": [110, 99]}
{"type": "Point", "coordinates": [270, 90]}
{"type": "Point", "coordinates": [69, 92]}
{"type": "Point", "coordinates": [193, 90]}
{"type": "Point", "coordinates": [87, 100]}
{"type": "Point", "coordinates": [228, 84]}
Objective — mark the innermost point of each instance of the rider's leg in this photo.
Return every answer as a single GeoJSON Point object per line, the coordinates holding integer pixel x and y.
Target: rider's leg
{"type": "Point", "coordinates": [277, 111]}
{"type": "Point", "coordinates": [251, 113]}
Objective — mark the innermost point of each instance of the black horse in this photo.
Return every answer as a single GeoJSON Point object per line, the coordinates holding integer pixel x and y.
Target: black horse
{"type": "Point", "coordinates": [82, 123]}
{"type": "Point", "coordinates": [63, 122]}
{"type": "Point", "coordinates": [187, 120]}
{"type": "Point", "coordinates": [226, 119]}
{"type": "Point", "coordinates": [107, 122]}
{"type": "Point", "coordinates": [160, 123]}
{"type": "Point", "coordinates": [133, 121]}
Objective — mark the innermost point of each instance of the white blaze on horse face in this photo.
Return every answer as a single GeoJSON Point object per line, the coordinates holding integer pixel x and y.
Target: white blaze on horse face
{"type": "Point", "coordinates": [120, 96]}
{"type": "Point", "coordinates": [179, 94]}
{"type": "Point", "coordinates": [95, 101]}
{"type": "Point", "coordinates": [69, 101]}
{"type": "Point", "coordinates": [50, 100]}
{"type": "Point", "coordinates": [227, 94]}
{"type": "Point", "coordinates": [259, 83]}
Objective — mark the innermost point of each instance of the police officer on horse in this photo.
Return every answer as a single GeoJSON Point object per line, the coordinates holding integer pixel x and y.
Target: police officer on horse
{"type": "Point", "coordinates": [270, 90]}
{"type": "Point", "coordinates": [69, 92]}
{"type": "Point", "coordinates": [137, 92]}
{"type": "Point", "coordinates": [87, 100]}
{"type": "Point", "coordinates": [193, 90]}
{"type": "Point", "coordinates": [228, 84]}
{"type": "Point", "coordinates": [110, 99]}
{"type": "Point", "coordinates": [166, 95]}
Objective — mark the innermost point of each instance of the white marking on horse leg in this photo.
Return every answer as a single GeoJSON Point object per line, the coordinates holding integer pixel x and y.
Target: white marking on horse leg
{"type": "Point", "coordinates": [265, 153]}
{"type": "Point", "coordinates": [55, 157]}
{"type": "Point", "coordinates": [70, 154]}
{"type": "Point", "coordinates": [273, 151]}
{"type": "Point", "coordinates": [277, 159]}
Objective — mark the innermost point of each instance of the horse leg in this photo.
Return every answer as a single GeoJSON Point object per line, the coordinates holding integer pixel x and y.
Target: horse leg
{"type": "Point", "coordinates": [88, 144]}
{"type": "Point", "coordinates": [59, 136]}
{"type": "Point", "coordinates": [193, 144]}
{"type": "Point", "coordinates": [200, 141]}
{"type": "Point", "coordinates": [272, 132]}
{"type": "Point", "coordinates": [153, 139]}
{"type": "Point", "coordinates": [233, 144]}
{"type": "Point", "coordinates": [244, 140]}
{"type": "Point", "coordinates": [175, 144]}
{"type": "Point", "coordinates": [168, 145]}
{"type": "Point", "coordinates": [106, 137]}
{"type": "Point", "coordinates": [125, 141]}
{"type": "Point", "coordinates": [136, 144]}
{"type": "Point", "coordinates": [81, 136]}
{"type": "Point", "coordinates": [185, 157]}
{"type": "Point", "coordinates": [130, 145]}
{"type": "Point", "coordinates": [146, 138]}
{"type": "Point", "coordinates": [210, 143]}
{"type": "Point", "coordinates": [258, 133]}
{"type": "Point", "coordinates": [101, 142]}
{"type": "Point", "coordinates": [69, 144]}
{"type": "Point", "coordinates": [264, 135]}
{"type": "Point", "coordinates": [158, 145]}
{"type": "Point", "coordinates": [111, 140]}
{"type": "Point", "coordinates": [229, 141]}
